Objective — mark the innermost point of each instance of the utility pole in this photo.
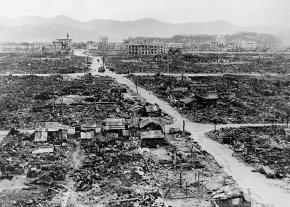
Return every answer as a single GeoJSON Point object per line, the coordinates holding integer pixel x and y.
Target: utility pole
{"type": "Point", "coordinates": [137, 88]}
{"type": "Point", "coordinates": [168, 68]}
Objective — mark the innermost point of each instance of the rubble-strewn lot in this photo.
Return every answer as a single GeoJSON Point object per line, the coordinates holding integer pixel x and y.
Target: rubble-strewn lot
{"type": "Point", "coordinates": [201, 63]}
{"type": "Point", "coordinates": [223, 99]}
{"type": "Point", "coordinates": [102, 168]}
{"type": "Point", "coordinates": [266, 148]}
{"type": "Point", "coordinates": [41, 63]}
{"type": "Point", "coordinates": [29, 179]}
{"type": "Point", "coordinates": [27, 99]}
{"type": "Point", "coordinates": [118, 173]}
{"type": "Point", "coordinates": [106, 171]}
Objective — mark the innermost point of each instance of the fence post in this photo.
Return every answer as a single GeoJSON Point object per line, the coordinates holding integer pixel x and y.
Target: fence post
{"type": "Point", "coordinates": [186, 189]}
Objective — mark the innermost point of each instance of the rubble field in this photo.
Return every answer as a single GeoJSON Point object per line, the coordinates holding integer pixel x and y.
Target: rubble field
{"type": "Point", "coordinates": [27, 99]}
{"type": "Point", "coordinates": [265, 148]}
{"type": "Point", "coordinates": [29, 179]}
{"type": "Point", "coordinates": [120, 173]}
{"type": "Point", "coordinates": [40, 63]}
{"type": "Point", "coordinates": [223, 99]}
{"type": "Point", "coordinates": [111, 168]}
{"type": "Point", "coordinates": [106, 171]}
{"type": "Point", "coordinates": [175, 62]}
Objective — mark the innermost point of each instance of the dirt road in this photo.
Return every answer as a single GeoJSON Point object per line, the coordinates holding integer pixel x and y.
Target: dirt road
{"type": "Point", "coordinates": [263, 190]}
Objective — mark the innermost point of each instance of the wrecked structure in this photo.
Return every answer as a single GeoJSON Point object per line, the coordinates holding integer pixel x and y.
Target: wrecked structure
{"type": "Point", "coordinates": [42, 63]}
{"type": "Point", "coordinates": [152, 138]}
{"type": "Point", "coordinates": [176, 62]}
{"type": "Point", "coordinates": [49, 132]}
{"type": "Point", "coordinates": [223, 99]}
{"type": "Point", "coordinates": [266, 148]}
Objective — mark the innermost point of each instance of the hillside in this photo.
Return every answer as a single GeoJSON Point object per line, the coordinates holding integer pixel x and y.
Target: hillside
{"type": "Point", "coordinates": [31, 28]}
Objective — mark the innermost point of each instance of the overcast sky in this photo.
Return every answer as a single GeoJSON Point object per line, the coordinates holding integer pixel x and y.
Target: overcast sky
{"type": "Point", "coordinates": [242, 12]}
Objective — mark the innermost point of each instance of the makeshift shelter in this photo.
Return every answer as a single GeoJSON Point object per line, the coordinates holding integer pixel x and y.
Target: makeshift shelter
{"type": "Point", "coordinates": [133, 126]}
{"type": "Point", "coordinates": [50, 135]}
{"type": "Point", "coordinates": [49, 132]}
{"type": "Point", "coordinates": [40, 135]}
{"type": "Point", "coordinates": [90, 134]}
{"type": "Point", "coordinates": [152, 138]}
{"type": "Point", "coordinates": [209, 99]}
{"type": "Point", "coordinates": [187, 101]}
{"type": "Point", "coordinates": [149, 124]}
{"type": "Point", "coordinates": [178, 92]}
{"type": "Point", "coordinates": [113, 125]}
{"type": "Point", "coordinates": [86, 131]}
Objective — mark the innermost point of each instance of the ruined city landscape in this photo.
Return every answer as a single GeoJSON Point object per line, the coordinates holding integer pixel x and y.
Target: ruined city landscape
{"type": "Point", "coordinates": [143, 113]}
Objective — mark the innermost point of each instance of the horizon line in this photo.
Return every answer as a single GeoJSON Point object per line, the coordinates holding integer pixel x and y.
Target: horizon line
{"type": "Point", "coordinates": [133, 20]}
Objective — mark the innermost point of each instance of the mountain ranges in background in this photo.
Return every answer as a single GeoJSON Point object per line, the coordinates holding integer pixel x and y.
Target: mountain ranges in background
{"type": "Point", "coordinates": [34, 28]}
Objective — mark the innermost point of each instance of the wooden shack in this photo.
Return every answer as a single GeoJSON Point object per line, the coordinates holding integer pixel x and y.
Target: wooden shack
{"type": "Point", "coordinates": [188, 101]}
{"type": "Point", "coordinates": [152, 138]}
{"type": "Point", "coordinates": [86, 131]}
{"type": "Point", "coordinates": [179, 92]}
{"type": "Point", "coordinates": [208, 99]}
{"type": "Point", "coordinates": [150, 123]}
{"type": "Point", "coordinates": [113, 125]}
{"type": "Point", "coordinates": [49, 132]}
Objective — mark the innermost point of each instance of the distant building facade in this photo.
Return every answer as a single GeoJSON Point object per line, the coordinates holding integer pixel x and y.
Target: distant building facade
{"type": "Point", "coordinates": [143, 47]}
{"type": "Point", "coordinates": [62, 44]}
{"type": "Point", "coordinates": [248, 45]}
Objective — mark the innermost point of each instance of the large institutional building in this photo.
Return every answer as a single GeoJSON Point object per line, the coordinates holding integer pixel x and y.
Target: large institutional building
{"type": "Point", "coordinates": [142, 47]}
{"type": "Point", "coordinates": [249, 45]}
{"type": "Point", "coordinates": [62, 44]}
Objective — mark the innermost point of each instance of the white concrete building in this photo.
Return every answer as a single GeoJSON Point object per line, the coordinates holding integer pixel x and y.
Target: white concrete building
{"type": "Point", "coordinates": [248, 45]}
{"type": "Point", "coordinates": [142, 47]}
{"type": "Point", "coordinates": [62, 44]}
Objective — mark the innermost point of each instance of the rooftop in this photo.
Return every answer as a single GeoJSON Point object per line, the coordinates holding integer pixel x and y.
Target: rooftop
{"type": "Point", "coordinates": [152, 135]}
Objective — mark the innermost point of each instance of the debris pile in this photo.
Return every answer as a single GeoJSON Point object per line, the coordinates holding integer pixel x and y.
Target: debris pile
{"type": "Point", "coordinates": [266, 148]}
{"type": "Point", "coordinates": [42, 174]}
{"type": "Point", "coordinates": [29, 63]}
{"type": "Point", "coordinates": [176, 62]}
{"type": "Point", "coordinates": [223, 99]}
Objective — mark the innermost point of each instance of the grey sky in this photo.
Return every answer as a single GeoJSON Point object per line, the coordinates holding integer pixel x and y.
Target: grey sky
{"type": "Point", "coordinates": [242, 12]}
